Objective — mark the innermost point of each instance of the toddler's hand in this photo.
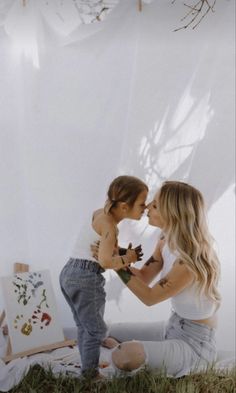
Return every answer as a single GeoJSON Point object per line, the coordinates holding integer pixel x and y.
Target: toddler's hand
{"type": "Point", "coordinates": [134, 254]}
{"type": "Point", "coordinates": [94, 249]}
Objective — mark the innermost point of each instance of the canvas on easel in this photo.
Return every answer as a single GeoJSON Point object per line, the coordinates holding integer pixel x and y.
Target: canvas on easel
{"type": "Point", "coordinates": [31, 314]}
{"type": "Point", "coordinates": [18, 268]}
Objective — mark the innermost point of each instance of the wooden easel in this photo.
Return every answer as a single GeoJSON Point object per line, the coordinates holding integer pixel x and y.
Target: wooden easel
{"type": "Point", "coordinates": [22, 268]}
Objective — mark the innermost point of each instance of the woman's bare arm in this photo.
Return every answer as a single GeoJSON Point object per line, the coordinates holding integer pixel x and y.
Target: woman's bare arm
{"type": "Point", "coordinates": [174, 282]}
{"type": "Point", "coordinates": [152, 266]}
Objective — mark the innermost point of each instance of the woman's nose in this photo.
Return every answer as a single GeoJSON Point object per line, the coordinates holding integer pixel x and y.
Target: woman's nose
{"type": "Point", "coordinates": [148, 206]}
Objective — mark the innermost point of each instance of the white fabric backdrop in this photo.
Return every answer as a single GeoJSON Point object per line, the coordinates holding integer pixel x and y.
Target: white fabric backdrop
{"type": "Point", "coordinates": [124, 96]}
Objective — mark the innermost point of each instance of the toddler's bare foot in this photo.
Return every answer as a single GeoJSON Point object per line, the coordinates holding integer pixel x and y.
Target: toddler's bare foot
{"type": "Point", "coordinates": [110, 343]}
{"type": "Point", "coordinates": [98, 378]}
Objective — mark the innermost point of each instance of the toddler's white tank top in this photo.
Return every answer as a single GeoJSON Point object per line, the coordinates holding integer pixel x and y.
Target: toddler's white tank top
{"type": "Point", "coordinates": [85, 238]}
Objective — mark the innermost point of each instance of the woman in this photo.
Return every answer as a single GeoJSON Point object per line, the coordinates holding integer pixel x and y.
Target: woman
{"type": "Point", "coordinates": [189, 276]}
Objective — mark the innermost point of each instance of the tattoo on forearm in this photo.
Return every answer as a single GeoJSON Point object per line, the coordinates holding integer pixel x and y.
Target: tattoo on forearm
{"type": "Point", "coordinates": [163, 282]}
{"type": "Point", "coordinates": [124, 275]}
{"type": "Point", "coordinates": [151, 260]}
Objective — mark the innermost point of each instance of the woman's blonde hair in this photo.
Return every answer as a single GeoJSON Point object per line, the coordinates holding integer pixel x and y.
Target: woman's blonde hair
{"type": "Point", "coordinates": [185, 225]}
{"type": "Point", "coordinates": [124, 189]}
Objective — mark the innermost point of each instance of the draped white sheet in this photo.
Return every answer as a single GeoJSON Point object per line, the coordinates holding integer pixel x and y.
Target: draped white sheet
{"type": "Point", "coordinates": [127, 96]}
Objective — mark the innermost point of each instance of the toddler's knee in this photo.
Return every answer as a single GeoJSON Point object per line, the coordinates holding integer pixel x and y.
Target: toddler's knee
{"type": "Point", "coordinates": [129, 356]}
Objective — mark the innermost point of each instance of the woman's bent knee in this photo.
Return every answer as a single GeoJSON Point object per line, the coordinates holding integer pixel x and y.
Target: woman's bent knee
{"type": "Point", "coordinates": [129, 355]}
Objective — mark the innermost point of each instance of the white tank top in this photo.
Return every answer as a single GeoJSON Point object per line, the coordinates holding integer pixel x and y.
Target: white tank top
{"type": "Point", "coordinates": [168, 260]}
{"type": "Point", "coordinates": [86, 237]}
{"type": "Point", "coordinates": [187, 304]}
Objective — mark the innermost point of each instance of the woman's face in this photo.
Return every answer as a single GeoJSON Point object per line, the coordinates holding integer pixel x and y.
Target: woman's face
{"type": "Point", "coordinates": [154, 216]}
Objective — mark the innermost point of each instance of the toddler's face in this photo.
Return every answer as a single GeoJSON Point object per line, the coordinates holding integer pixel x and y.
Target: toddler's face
{"type": "Point", "coordinates": [137, 210]}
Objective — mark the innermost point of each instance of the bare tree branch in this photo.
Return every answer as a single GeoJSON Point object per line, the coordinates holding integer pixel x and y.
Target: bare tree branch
{"type": "Point", "coordinates": [196, 12]}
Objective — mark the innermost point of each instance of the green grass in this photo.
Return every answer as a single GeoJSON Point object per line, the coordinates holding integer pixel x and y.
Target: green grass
{"type": "Point", "coordinates": [40, 381]}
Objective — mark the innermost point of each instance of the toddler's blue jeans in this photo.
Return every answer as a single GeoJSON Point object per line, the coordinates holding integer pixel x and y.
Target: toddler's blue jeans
{"type": "Point", "coordinates": [82, 284]}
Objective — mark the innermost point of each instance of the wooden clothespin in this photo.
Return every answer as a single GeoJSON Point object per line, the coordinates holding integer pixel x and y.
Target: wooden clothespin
{"type": "Point", "coordinates": [20, 267]}
{"type": "Point", "coordinates": [140, 5]}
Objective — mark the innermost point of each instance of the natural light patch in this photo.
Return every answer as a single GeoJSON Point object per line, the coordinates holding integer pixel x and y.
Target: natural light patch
{"type": "Point", "coordinates": [186, 136]}
{"type": "Point", "coordinates": [191, 124]}
{"type": "Point", "coordinates": [172, 143]}
{"type": "Point", "coordinates": [185, 105]}
{"type": "Point", "coordinates": [21, 25]}
{"type": "Point", "coordinates": [155, 135]}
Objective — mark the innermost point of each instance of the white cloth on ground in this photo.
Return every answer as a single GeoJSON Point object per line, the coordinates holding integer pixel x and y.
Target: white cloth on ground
{"type": "Point", "coordinates": [62, 360]}
{"type": "Point", "coordinates": [66, 360]}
